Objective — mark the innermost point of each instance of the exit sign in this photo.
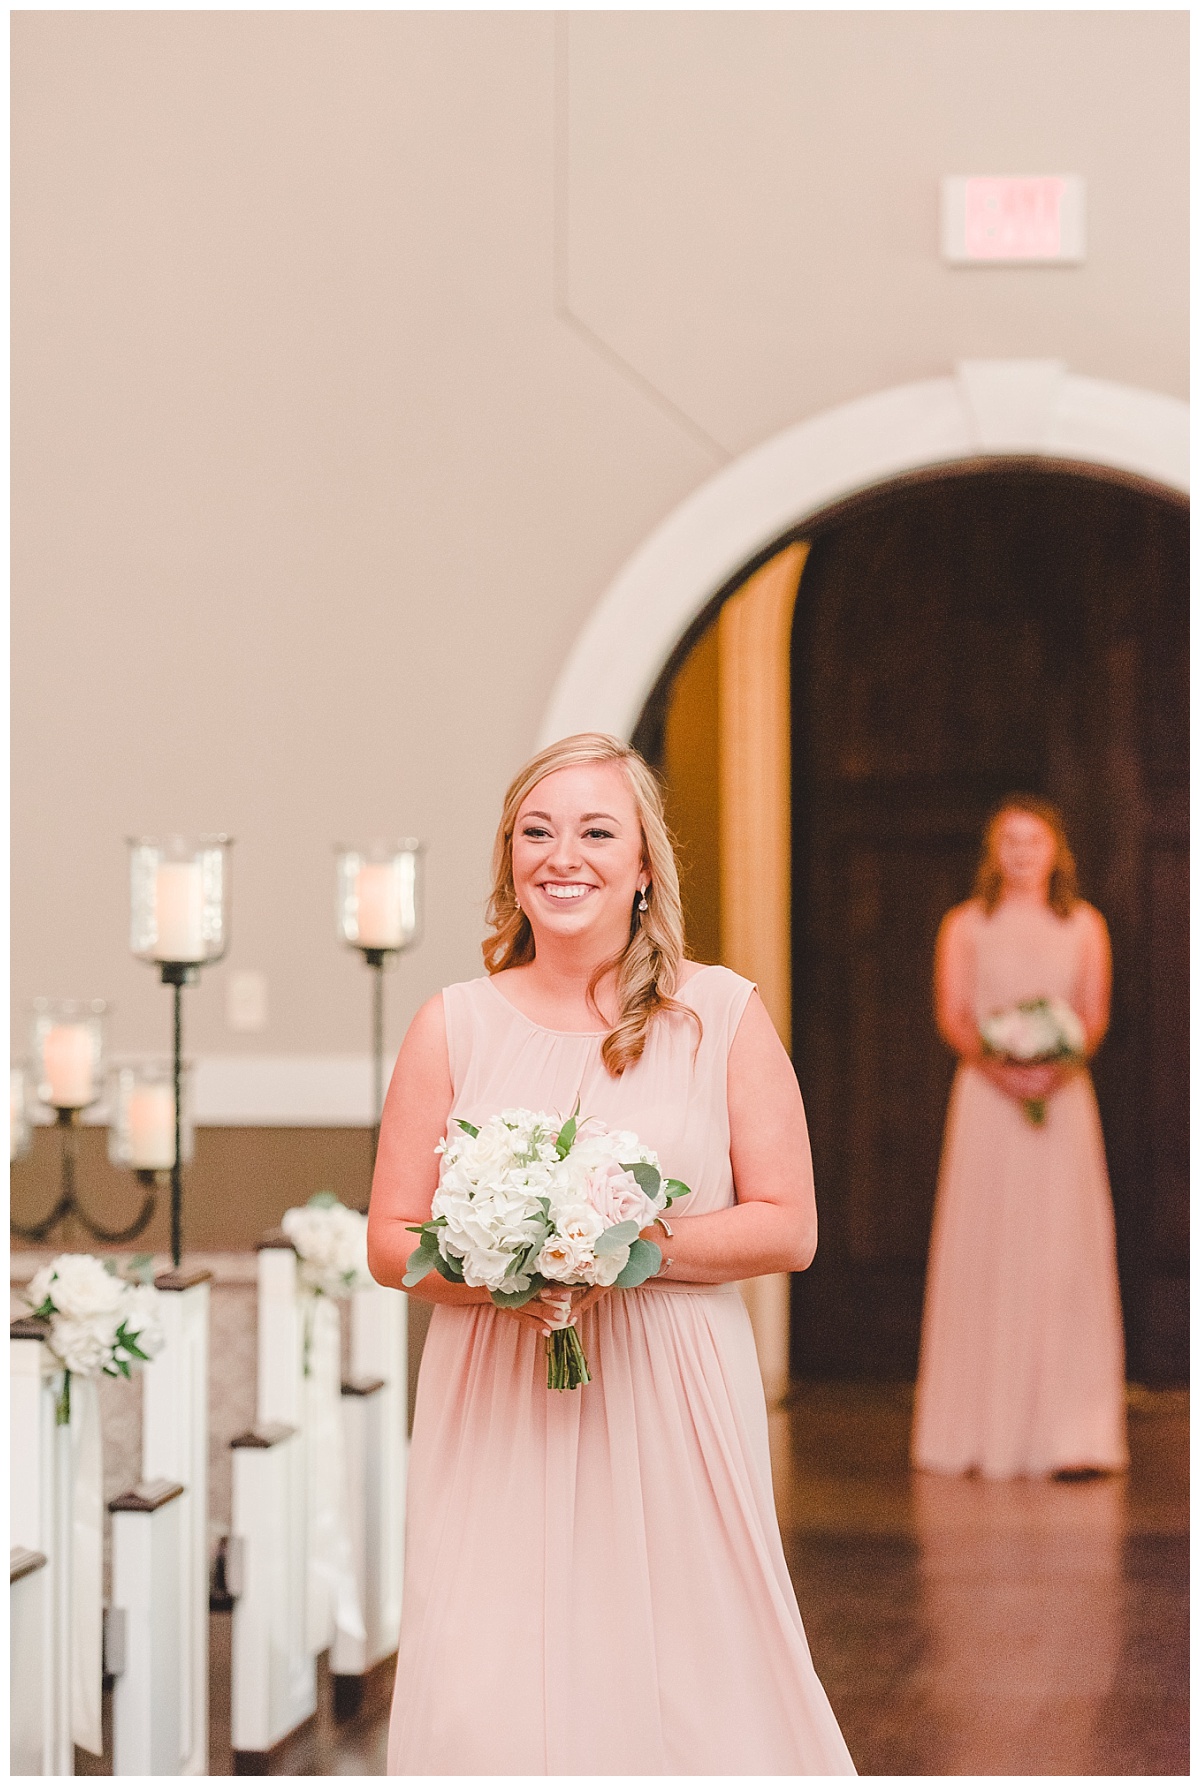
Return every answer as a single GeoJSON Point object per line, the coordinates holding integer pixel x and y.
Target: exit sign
{"type": "Point", "coordinates": [1012, 220]}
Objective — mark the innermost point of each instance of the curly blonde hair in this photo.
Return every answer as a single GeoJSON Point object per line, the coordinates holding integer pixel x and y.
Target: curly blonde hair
{"type": "Point", "coordinates": [647, 969]}
{"type": "Point", "coordinates": [1064, 880]}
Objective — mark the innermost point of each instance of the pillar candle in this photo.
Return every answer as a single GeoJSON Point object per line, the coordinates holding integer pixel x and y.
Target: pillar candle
{"type": "Point", "coordinates": [380, 915]}
{"type": "Point", "coordinates": [69, 1066]}
{"type": "Point", "coordinates": [150, 1126]}
{"type": "Point", "coordinates": [179, 911]}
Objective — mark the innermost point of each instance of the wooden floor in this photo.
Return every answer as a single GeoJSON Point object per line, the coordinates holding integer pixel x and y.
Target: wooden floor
{"type": "Point", "coordinates": [959, 1626]}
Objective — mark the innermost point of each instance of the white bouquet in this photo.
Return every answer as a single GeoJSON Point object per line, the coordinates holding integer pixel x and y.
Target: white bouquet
{"type": "Point", "coordinates": [1035, 1033]}
{"type": "Point", "coordinates": [98, 1320]}
{"type": "Point", "coordinates": [331, 1245]}
{"type": "Point", "coordinates": [528, 1200]}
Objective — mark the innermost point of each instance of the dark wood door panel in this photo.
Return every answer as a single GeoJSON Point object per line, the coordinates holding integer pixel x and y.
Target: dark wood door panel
{"type": "Point", "coordinates": [1015, 628]}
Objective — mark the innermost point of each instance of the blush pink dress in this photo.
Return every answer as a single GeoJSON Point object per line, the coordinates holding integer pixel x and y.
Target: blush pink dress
{"type": "Point", "coordinates": [1022, 1366]}
{"type": "Point", "coordinates": [594, 1579]}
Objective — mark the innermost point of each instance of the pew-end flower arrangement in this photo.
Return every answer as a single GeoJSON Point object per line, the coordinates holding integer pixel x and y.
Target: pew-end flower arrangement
{"type": "Point", "coordinates": [330, 1240]}
{"type": "Point", "coordinates": [526, 1200]}
{"type": "Point", "coordinates": [99, 1320]}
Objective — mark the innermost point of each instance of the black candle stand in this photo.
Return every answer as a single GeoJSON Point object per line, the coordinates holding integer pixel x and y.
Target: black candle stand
{"type": "Point", "coordinates": [67, 1123]}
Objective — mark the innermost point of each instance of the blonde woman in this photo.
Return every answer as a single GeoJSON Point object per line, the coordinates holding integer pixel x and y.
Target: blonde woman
{"type": "Point", "coordinates": [595, 1582]}
{"type": "Point", "coordinates": [1022, 1350]}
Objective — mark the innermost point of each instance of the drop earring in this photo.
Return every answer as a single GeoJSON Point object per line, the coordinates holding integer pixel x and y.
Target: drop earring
{"type": "Point", "coordinates": [643, 903]}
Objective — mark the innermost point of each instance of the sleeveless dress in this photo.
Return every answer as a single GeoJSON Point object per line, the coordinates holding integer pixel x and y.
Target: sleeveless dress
{"type": "Point", "coordinates": [1022, 1366]}
{"type": "Point", "coordinates": [594, 1578]}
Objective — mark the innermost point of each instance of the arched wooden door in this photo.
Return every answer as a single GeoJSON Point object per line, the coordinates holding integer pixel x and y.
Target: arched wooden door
{"type": "Point", "coordinates": [957, 637]}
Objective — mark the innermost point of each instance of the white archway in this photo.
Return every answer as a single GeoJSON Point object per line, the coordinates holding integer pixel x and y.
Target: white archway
{"type": "Point", "coordinates": [989, 407]}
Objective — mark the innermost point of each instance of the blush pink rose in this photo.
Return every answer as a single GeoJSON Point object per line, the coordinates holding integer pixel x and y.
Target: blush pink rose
{"type": "Point", "coordinates": [616, 1196]}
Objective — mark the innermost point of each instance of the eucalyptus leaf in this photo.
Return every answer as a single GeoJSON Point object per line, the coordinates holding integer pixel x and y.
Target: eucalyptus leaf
{"type": "Point", "coordinates": [613, 1239]}
{"type": "Point", "coordinates": [675, 1187]}
{"type": "Point", "coordinates": [450, 1267]}
{"type": "Point", "coordinates": [649, 1177]}
{"type": "Point", "coordinates": [516, 1298]}
{"type": "Point", "coordinates": [419, 1266]}
{"type": "Point", "coordinates": [644, 1260]}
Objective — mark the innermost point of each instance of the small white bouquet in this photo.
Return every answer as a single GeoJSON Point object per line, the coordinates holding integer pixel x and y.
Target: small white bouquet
{"type": "Point", "coordinates": [1035, 1033]}
{"type": "Point", "coordinates": [331, 1246]}
{"type": "Point", "coordinates": [528, 1200]}
{"type": "Point", "coordinates": [99, 1321]}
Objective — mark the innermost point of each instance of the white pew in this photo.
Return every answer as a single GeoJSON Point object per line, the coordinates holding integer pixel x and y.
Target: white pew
{"type": "Point", "coordinates": [28, 1673]}
{"type": "Point", "coordinates": [149, 1533]}
{"type": "Point", "coordinates": [375, 1415]}
{"type": "Point", "coordinates": [40, 1514]}
{"type": "Point", "coordinates": [175, 1449]}
{"type": "Point", "coordinates": [274, 1686]}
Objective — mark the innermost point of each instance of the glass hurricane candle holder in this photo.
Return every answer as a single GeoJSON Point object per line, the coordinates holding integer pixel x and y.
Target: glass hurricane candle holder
{"type": "Point", "coordinates": [20, 1122]}
{"type": "Point", "coordinates": [67, 1055]}
{"type": "Point", "coordinates": [141, 1124]}
{"type": "Point", "coordinates": [378, 895]}
{"type": "Point", "coordinates": [179, 899]}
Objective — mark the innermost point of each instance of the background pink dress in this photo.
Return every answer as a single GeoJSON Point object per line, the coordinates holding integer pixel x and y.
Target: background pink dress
{"type": "Point", "coordinates": [595, 1582]}
{"type": "Point", "coordinates": [1022, 1354]}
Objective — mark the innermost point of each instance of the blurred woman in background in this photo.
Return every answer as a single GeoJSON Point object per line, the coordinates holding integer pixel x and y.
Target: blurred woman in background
{"type": "Point", "coordinates": [1022, 1349]}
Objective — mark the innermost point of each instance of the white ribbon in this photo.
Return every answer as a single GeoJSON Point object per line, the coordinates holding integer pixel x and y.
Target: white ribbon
{"type": "Point", "coordinates": [332, 1596]}
{"type": "Point", "coordinates": [87, 1564]}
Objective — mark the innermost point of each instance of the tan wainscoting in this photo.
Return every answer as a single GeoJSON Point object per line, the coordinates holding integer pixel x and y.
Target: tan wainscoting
{"type": "Point", "coordinates": [238, 1185]}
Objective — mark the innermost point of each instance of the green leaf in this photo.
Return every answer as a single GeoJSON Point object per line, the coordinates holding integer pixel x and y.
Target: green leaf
{"type": "Point", "coordinates": [675, 1187]}
{"type": "Point", "coordinates": [110, 1265]}
{"type": "Point", "coordinates": [649, 1177]}
{"type": "Point", "coordinates": [613, 1239]}
{"type": "Point", "coordinates": [419, 1265]}
{"type": "Point", "coordinates": [566, 1136]}
{"type": "Point", "coordinates": [467, 1127]}
{"type": "Point", "coordinates": [644, 1260]}
{"type": "Point", "coordinates": [322, 1200]}
{"type": "Point", "coordinates": [450, 1268]}
{"type": "Point", "coordinates": [141, 1266]}
{"type": "Point", "coordinates": [518, 1298]}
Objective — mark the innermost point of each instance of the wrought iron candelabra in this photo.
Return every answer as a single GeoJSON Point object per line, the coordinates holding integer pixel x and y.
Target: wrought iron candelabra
{"type": "Point", "coordinates": [379, 914]}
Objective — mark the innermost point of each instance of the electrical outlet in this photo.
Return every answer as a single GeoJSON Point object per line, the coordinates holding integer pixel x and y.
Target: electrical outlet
{"type": "Point", "coordinates": [246, 999]}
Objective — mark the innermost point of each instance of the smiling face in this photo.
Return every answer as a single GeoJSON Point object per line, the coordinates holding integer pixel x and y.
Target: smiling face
{"type": "Point", "coordinates": [1025, 850]}
{"type": "Point", "coordinates": [578, 856]}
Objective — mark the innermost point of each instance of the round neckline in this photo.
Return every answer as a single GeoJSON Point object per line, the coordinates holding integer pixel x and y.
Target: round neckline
{"type": "Point", "coordinates": [579, 1035]}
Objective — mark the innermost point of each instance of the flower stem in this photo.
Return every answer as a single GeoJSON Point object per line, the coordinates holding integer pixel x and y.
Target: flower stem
{"type": "Point", "coordinates": [1035, 1110]}
{"type": "Point", "coordinates": [566, 1362]}
{"type": "Point", "coordinates": [62, 1407]}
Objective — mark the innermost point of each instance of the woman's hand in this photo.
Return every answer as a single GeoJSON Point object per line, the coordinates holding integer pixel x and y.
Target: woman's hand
{"type": "Point", "coordinates": [1023, 1084]}
{"type": "Point", "coordinates": [548, 1311]}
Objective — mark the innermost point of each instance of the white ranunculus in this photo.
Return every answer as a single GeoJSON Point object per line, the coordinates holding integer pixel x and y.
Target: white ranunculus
{"type": "Point", "coordinates": [562, 1259]}
{"type": "Point", "coordinates": [580, 1223]}
{"type": "Point", "coordinates": [606, 1268]}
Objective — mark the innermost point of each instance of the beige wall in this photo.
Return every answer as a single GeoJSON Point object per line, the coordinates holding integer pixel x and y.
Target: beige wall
{"type": "Point", "coordinates": [353, 353]}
